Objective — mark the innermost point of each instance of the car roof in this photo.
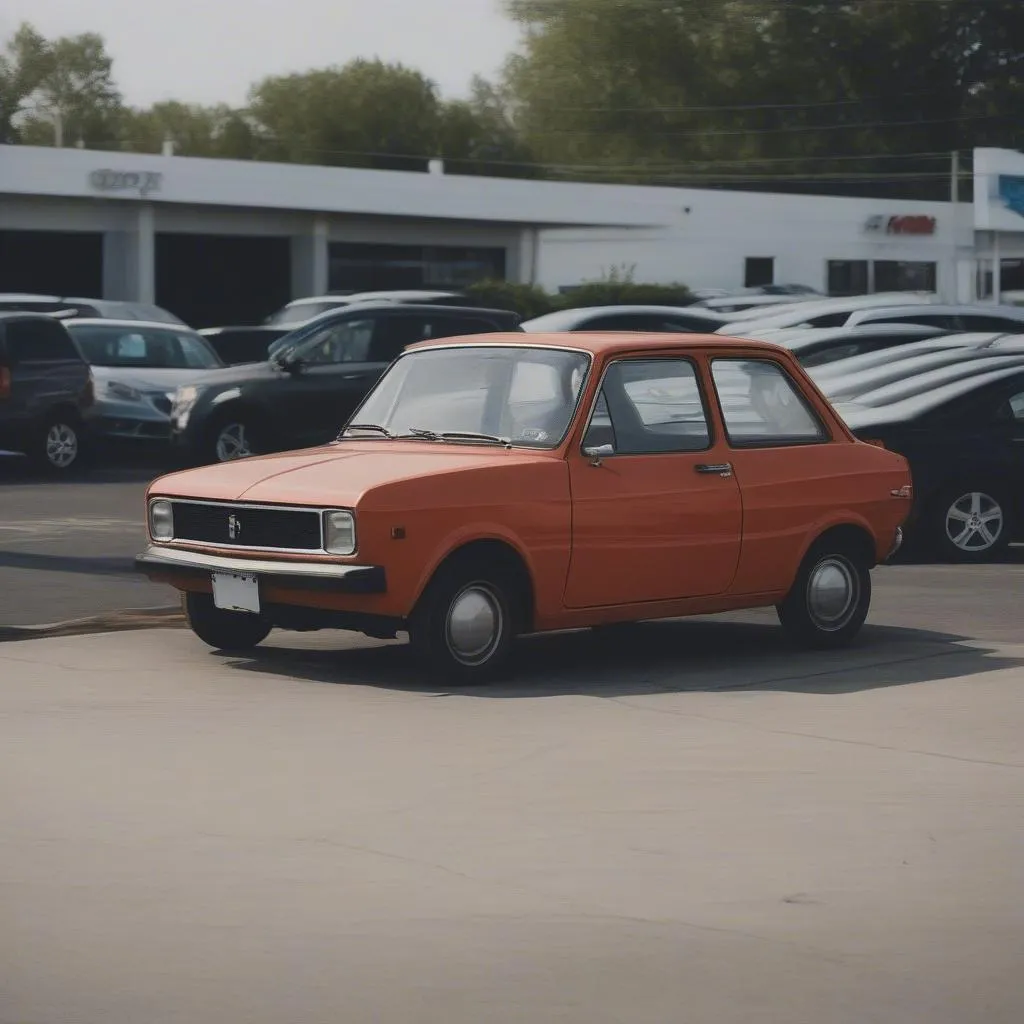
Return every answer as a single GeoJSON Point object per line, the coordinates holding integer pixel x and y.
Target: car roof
{"type": "Point", "coordinates": [929, 378]}
{"type": "Point", "coordinates": [821, 307]}
{"type": "Point", "coordinates": [898, 353]}
{"type": "Point", "coordinates": [811, 335]}
{"type": "Point", "coordinates": [975, 308]}
{"type": "Point", "coordinates": [372, 296]}
{"type": "Point", "coordinates": [580, 313]}
{"type": "Point", "coordinates": [28, 297]}
{"type": "Point", "coordinates": [24, 314]}
{"type": "Point", "coordinates": [598, 342]}
{"type": "Point", "coordinates": [859, 415]}
{"type": "Point", "coordinates": [103, 321]}
{"type": "Point", "coordinates": [964, 362]}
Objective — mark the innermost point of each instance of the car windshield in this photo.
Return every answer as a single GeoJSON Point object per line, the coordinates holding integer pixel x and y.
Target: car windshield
{"type": "Point", "coordinates": [152, 348]}
{"type": "Point", "coordinates": [526, 395]}
{"type": "Point", "coordinates": [300, 312]}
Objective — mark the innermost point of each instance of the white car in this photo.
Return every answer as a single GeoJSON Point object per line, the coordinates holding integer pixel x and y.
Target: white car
{"type": "Point", "coordinates": [823, 312]}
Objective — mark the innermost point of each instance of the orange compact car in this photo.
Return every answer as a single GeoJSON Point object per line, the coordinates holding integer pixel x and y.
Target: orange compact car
{"type": "Point", "coordinates": [505, 484]}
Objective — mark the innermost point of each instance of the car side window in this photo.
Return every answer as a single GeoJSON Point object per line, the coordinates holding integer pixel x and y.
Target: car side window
{"type": "Point", "coordinates": [829, 354]}
{"type": "Point", "coordinates": [345, 342]}
{"type": "Point", "coordinates": [1011, 410]}
{"type": "Point", "coordinates": [39, 340]}
{"type": "Point", "coordinates": [762, 406]}
{"type": "Point", "coordinates": [979, 322]}
{"type": "Point", "coordinates": [649, 406]}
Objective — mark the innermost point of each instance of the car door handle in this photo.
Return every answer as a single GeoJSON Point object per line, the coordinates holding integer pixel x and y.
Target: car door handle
{"type": "Point", "coordinates": [354, 376]}
{"type": "Point", "coordinates": [721, 468]}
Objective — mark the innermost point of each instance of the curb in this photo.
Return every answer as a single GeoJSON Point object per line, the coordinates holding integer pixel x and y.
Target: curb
{"type": "Point", "coordinates": [170, 617]}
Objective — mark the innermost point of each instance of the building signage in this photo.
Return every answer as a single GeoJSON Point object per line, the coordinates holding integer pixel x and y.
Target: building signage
{"type": "Point", "coordinates": [1011, 193]}
{"type": "Point", "coordinates": [882, 224]}
{"type": "Point", "coordinates": [142, 183]}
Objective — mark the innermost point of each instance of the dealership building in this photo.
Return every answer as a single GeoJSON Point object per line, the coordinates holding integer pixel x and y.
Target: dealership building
{"type": "Point", "coordinates": [220, 241]}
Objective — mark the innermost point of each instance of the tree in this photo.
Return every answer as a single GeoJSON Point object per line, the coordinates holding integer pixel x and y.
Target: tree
{"type": "Point", "coordinates": [365, 114]}
{"type": "Point", "coordinates": [24, 64]}
{"type": "Point", "coordinates": [832, 95]}
{"type": "Point", "coordinates": [195, 131]}
{"type": "Point", "coordinates": [477, 136]}
{"type": "Point", "coordinates": [78, 95]}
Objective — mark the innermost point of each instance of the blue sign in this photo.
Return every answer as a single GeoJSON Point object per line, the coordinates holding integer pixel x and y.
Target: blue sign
{"type": "Point", "coordinates": [1011, 192]}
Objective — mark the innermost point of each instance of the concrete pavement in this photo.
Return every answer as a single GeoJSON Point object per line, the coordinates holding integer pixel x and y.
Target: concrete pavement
{"type": "Point", "coordinates": [703, 828]}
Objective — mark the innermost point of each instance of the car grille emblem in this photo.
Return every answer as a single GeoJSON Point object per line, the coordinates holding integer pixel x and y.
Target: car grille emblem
{"type": "Point", "coordinates": [234, 527]}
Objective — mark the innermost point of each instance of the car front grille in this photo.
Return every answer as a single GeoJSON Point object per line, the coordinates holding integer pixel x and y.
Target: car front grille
{"type": "Point", "coordinates": [247, 526]}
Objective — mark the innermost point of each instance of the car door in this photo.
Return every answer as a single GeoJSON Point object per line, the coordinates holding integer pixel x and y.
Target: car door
{"type": "Point", "coordinates": [335, 369]}
{"type": "Point", "coordinates": [784, 463]}
{"type": "Point", "coordinates": [657, 516]}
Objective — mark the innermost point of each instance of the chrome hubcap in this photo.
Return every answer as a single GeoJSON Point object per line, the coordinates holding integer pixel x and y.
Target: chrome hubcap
{"type": "Point", "coordinates": [475, 623]}
{"type": "Point", "coordinates": [832, 592]}
{"type": "Point", "coordinates": [233, 443]}
{"type": "Point", "coordinates": [974, 522]}
{"type": "Point", "coordinates": [61, 445]}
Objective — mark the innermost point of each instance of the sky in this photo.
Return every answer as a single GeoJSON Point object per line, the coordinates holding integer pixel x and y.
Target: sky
{"type": "Point", "coordinates": [210, 51]}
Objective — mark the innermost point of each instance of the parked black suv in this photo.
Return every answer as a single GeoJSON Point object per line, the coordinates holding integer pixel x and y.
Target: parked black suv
{"type": "Point", "coordinates": [317, 376]}
{"type": "Point", "coordinates": [45, 391]}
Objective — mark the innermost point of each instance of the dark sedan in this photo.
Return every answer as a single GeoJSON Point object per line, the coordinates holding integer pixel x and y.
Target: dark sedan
{"type": "Point", "coordinates": [307, 390]}
{"type": "Point", "coordinates": [962, 429]}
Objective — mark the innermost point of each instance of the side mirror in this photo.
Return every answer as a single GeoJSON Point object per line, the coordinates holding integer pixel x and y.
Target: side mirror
{"type": "Point", "coordinates": [597, 452]}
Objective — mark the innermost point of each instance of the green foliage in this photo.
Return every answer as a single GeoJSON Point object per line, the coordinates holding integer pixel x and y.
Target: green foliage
{"type": "Point", "coordinates": [812, 94]}
{"type": "Point", "coordinates": [614, 289]}
{"type": "Point", "coordinates": [525, 299]}
{"type": "Point", "coordinates": [58, 89]}
{"type": "Point", "coordinates": [195, 130]}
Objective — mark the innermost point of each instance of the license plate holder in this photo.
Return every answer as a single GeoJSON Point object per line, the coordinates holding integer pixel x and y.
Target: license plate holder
{"type": "Point", "coordinates": [236, 592]}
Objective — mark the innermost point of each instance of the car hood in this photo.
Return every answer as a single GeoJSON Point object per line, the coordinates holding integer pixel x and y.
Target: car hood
{"type": "Point", "coordinates": [333, 475]}
{"type": "Point", "coordinates": [148, 378]}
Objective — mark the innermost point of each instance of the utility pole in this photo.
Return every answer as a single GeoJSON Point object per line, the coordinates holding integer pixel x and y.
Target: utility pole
{"type": "Point", "coordinates": [58, 128]}
{"type": "Point", "coordinates": [954, 180]}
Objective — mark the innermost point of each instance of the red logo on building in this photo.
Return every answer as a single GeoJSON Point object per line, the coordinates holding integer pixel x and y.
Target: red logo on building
{"type": "Point", "coordinates": [908, 225]}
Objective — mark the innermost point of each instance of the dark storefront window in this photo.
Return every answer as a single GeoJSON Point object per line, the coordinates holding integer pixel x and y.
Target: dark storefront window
{"type": "Point", "coordinates": [899, 276]}
{"type": "Point", "coordinates": [847, 277]}
{"type": "Point", "coordinates": [758, 271]}
{"type": "Point", "coordinates": [361, 267]}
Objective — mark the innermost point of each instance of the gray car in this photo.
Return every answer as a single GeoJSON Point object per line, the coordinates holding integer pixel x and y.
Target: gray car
{"type": "Point", "coordinates": [136, 368]}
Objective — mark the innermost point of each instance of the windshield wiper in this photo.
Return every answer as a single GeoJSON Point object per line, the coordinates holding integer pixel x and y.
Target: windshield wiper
{"type": "Point", "coordinates": [458, 435]}
{"type": "Point", "coordinates": [375, 427]}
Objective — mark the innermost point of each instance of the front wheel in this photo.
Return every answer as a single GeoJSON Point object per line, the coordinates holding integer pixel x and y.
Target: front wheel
{"type": "Point", "coordinates": [464, 626]}
{"type": "Point", "coordinates": [223, 630]}
{"type": "Point", "coordinates": [829, 600]}
{"type": "Point", "coordinates": [231, 439]}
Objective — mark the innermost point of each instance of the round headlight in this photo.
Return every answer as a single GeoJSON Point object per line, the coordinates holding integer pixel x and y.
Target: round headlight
{"type": "Point", "coordinates": [161, 520]}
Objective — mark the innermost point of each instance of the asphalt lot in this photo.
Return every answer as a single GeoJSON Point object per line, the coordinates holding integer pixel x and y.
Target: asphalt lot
{"type": "Point", "coordinates": [685, 822]}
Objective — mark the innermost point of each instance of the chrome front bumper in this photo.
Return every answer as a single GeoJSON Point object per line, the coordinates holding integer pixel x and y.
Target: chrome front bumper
{"type": "Point", "coordinates": [163, 562]}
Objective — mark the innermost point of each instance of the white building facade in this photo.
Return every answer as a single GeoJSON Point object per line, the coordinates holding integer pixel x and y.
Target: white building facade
{"type": "Point", "coordinates": [210, 238]}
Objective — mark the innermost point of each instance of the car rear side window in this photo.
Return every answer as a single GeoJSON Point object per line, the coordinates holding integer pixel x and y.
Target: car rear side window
{"type": "Point", "coordinates": [650, 406]}
{"type": "Point", "coordinates": [40, 340]}
{"type": "Point", "coordinates": [762, 406]}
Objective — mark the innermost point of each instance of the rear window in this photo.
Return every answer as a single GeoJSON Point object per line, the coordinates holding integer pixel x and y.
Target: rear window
{"type": "Point", "coordinates": [39, 341]}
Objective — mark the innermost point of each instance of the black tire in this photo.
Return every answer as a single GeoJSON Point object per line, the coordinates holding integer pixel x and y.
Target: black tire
{"type": "Point", "coordinates": [492, 598]}
{"type": "Point", "coordinates": [970, 523]}
{"type": "Point", "coordinates": [830, 597]}
{"type": "Point", "coordinates": [232, 436]}
{"type": "Point", "coordinates": [223, 630]}
{"type": "Point", "coordinates": [58, 444]}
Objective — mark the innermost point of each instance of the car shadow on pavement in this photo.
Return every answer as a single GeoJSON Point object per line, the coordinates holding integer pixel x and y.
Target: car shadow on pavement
{"type": "Point", "coordinates": [656, 657]}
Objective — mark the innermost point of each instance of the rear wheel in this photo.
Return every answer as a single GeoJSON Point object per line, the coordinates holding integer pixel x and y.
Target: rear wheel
{"type": "Point", "coordinates": [830, 598]}
{"type": "Point", "coordinates": [223, 630]}
{"type": "Point", "coordinates": [464, 626]}
{"type": "Point", "coordinates": [969, 524]}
